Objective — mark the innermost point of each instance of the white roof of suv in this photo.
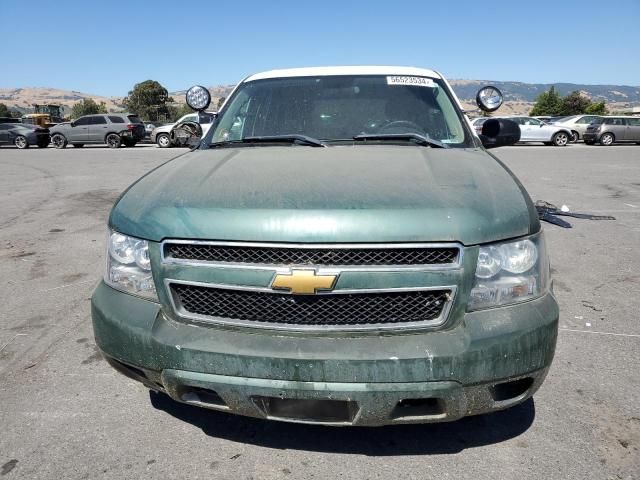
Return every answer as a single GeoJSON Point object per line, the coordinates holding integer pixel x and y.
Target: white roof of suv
{"type": "Point", "coordinates": [355, 70]}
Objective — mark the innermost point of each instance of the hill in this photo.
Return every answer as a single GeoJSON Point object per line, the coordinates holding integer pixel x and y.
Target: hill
{"type": "Point", "coordinates": [519, 96]}
{"type": "Point", "coordinates": [21, 98]}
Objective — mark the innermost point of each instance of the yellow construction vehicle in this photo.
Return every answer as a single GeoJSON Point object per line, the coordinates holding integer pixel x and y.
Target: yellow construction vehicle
{"type": "Point", "coordinates": [44, 115]}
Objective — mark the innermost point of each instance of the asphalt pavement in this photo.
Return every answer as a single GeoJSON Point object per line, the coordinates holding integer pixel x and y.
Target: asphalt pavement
{"type": "Point", "coordinates": [64, 413]}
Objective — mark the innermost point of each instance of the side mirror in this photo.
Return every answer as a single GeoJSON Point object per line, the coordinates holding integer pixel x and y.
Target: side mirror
{"type": "Point", "coordinates": [186, 134]}
{"type": "Point", "coordinates": [499, 132]}
{"type": "Point", "coordinates": [73, 124]}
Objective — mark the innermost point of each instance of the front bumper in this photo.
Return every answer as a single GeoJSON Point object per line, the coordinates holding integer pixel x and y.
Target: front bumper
{"type": "Point", "coordinates": [490, 360]}
{"type": "Point", "coordinates": [590, 137]}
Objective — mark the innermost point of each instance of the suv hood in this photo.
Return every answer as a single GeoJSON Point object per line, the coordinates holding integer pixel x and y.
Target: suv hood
{"type": "Point", "coordinates": [375, 193]}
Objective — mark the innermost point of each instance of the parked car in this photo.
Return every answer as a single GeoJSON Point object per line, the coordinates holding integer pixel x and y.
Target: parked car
{"type": "Point", "coordinates": [162, 135]}
{"type": "Point", "coordinates": [114, 129]}
{"type": "Point", "coordinates": [10, 120]}
{"type": "Point", "coordinates": [577, 124]}
{"type": "Point", "coordinates": [338, 249]}
{"type": "Point", "coordinates": [547, 118]}
{"type": "Point", "coordinates": [613, 129]}
{"type": "Point", "coordinates": [534, 130]}
{"type": "Point", "coordinates": [477, 123]}
{"type": "Point", "coordinates": [23, 135]}
{"type": "Point", "coordinates": [148, 128]}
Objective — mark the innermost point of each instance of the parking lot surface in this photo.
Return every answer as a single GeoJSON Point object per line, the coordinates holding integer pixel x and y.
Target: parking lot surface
{"type": "Point", "coordinates": [66, 414]}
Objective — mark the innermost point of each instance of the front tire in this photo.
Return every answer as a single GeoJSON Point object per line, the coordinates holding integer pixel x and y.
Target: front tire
{"type": "Point", "coordinates": [575, 136]}
{"type": "Point", "coordinates": [129, 143]}
{"type": "Point", "coordinates": [163, 140]}
{"type": "Point", "coordinates": [21, 142]}
{"type": "Point", "coordinates": [560, 139]}
{"type": "Point", "coordinates": [113, 140]}
{"type": "Point", "coordinates": [607, 139]}
{"type": "Point", "coordinates": [59, 140]}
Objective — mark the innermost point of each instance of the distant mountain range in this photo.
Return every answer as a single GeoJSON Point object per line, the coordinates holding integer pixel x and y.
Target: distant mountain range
{"type": "Point", "coordinates": [528, 92]}
{"type": "Point", "coordinates": [519, 96]}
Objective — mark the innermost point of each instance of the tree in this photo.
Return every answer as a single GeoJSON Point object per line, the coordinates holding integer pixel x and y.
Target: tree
{"type": "Point", "coordinates": [597, 109]}
{"type": "Point", "coordinates": [547, 103]}
{"type": "Point", "coordinates": [180, 111]}
{"type": "Point", "coordinates": [149, 100]}
{"type": "Point", "coordinates": [6, 112]}
{"type": "Point", "coordinates": [574, 104]}
{"type": "Point", "coordinates": [87, 106]}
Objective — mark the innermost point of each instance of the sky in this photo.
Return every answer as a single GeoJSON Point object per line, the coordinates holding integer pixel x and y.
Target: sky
{"type": "Point", "coordinates": [104, 48]}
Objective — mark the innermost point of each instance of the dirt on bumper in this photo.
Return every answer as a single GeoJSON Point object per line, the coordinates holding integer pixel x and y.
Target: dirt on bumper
{"type": "Point", "coordinates": [490, 360]}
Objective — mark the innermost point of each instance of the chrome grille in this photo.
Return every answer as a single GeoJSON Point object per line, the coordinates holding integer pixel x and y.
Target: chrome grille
{"type": "Point", "coordinates": [341, 310]}
{"type": "Point", "coordinates": [309, 255]}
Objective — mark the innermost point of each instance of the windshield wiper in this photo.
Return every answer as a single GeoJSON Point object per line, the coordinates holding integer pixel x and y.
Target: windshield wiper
{"type": "Point", "coordinates": [412, 137]}
{"type": "Point", "coordinates": [290, 138]}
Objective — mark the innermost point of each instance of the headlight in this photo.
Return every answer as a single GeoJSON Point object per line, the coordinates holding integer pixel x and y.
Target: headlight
{"type": "Point", "coordinates": [129, 266]}
{"type": "Point", "coordinates": [510, 272]}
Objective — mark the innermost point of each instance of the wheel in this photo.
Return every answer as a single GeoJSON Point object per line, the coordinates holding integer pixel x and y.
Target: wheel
{"type": "Point", "coordinates": [113, 140]}
{"type": "Point", "coordinates": [129, 143]}
{"type": "Point", "coordinates": [575, 136]}
{"type": "Point", "coordinates": [163, 140]}
{"type": "Point", "coordinates": [78, 145]}
{"type": "Point", "coordinates": [607, 139]}
{"type": "Point", "coordinates": [560, 139]}
{"type": "Point", "coordinates": [21, 142]}
{"type": "Point", "coordinates": [59, 140]}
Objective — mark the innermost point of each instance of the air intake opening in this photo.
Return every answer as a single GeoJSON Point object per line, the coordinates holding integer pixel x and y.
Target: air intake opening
{"type": "Point", "coordinates": [418, 407]}
{"type": "Point", "coordinates": [308, 410]}
{"type": "Point", "coordinates": [201, 396]}
{"type": "Point", "coordinates": [510, 390]}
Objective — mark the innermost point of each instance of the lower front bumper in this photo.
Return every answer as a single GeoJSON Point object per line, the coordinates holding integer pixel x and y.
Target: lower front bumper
{"type": "Point", "coordinates": [337, 404]}
{"type": "Point", "coordinates": [489, 360]}
{"type": "Point", "coordinates": [590, 137]}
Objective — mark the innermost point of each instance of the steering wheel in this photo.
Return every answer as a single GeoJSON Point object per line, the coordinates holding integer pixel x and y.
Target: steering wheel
{"type": "Point", "coordinates": [402, 126]}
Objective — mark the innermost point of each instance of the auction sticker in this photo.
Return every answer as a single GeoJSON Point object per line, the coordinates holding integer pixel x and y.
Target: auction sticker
{"type": "Point", "coordinates": [410, 81]}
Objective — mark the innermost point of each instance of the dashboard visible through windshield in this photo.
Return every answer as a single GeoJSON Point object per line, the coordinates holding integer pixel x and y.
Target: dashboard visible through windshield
{"type": "Point", "coordinates": [339, 108]}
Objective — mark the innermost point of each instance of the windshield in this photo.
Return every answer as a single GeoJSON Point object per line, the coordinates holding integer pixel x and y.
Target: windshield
{"type": "Point", "coordinates": [339, 108]}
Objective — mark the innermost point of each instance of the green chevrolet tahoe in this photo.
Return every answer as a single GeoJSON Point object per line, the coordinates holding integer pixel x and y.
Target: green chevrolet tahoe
{"type": "Point", "coordinates": [339, 248]}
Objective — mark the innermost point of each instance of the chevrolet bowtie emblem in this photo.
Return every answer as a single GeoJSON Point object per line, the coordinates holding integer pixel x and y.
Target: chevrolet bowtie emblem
{"type": "Point", "coordinates": [303, 282]}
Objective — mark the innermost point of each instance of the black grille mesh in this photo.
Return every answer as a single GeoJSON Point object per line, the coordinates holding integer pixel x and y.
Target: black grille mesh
{"type": "Point", "coordinates": [331, 309]}
{"type": "Point", "coordinates": [312, 256]}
